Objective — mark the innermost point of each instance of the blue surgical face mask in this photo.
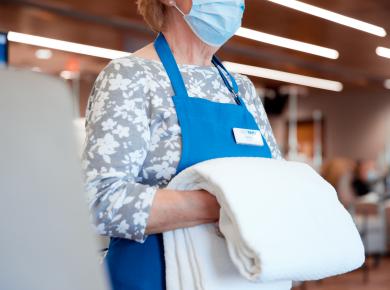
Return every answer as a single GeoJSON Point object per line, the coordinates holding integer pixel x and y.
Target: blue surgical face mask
{"type": "Point", "coordinates": [214, 21]}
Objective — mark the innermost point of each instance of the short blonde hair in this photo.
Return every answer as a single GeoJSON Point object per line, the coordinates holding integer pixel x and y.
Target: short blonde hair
{"type": "Point", "coordinates": [153, 12]}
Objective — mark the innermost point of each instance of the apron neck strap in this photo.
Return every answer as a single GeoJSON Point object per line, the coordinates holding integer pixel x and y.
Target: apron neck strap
{"type": "Point", "coordinates": [168, 60]}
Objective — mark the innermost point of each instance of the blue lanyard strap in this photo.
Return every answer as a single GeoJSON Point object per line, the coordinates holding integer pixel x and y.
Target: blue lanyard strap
{"type": "Point", "coordinates": [233, 87]}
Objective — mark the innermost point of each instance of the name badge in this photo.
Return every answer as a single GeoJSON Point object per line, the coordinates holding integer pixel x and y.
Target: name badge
{"type": "Point", "coordinates": [248, 136]}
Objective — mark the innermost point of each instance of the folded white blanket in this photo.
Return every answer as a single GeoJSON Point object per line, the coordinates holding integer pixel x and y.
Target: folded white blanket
{"type": "Point", "coordinates": [281, 221]}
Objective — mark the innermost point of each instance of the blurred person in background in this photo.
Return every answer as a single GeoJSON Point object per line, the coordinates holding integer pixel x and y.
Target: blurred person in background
{"type": "Point", "coordinates": [367, 178]}
{"type": "Point", "coordinates": [360, 180]}
{"type": "Point", "coordinates": [139, 116]}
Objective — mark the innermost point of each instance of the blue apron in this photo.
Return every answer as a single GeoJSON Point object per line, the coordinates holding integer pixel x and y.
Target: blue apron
{"type": "Point", "coordinates": [206, 129]}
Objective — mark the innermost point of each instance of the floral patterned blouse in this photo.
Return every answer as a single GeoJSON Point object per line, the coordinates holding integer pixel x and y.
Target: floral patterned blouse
{"type": "Point", "coordinates": [133, 140]}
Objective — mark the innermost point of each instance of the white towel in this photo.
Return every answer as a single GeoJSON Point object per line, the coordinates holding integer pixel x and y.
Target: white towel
{"type": "Point", "coordinates": [281, 221]}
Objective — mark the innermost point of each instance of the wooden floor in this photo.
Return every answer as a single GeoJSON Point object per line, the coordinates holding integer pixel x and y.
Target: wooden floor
{"type": "Point", "coordinates": [377, 279]}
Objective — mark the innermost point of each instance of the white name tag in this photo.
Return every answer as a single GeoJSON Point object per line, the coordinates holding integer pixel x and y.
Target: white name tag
{"type": "Point", "coordinates": [248, 136]}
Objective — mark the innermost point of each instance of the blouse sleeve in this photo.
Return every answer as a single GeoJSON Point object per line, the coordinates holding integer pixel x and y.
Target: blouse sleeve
{"type": "Point", "coordinates": [116, 144]}
{"type": "Point", "coordinates": [255, 106]}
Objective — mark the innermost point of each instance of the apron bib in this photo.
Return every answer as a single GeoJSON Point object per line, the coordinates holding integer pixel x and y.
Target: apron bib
{"type": "Point", "coordinates": [207, 133]}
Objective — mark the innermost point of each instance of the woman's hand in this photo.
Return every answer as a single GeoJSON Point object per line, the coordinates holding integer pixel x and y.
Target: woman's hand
{"type": "Point", "coordinates": [172, 209]}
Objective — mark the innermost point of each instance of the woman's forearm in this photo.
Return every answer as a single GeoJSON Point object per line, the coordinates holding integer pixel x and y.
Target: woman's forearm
{"type": "Point", "coordinates": [172, 209]}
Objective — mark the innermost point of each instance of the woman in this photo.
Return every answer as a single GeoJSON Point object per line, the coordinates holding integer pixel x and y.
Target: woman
{"type": "Point", "coordinates": [150, 115]}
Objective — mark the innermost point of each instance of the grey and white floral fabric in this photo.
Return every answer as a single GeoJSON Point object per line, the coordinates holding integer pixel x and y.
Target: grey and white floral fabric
{"type": "Point", "coordinates": [133, 140]}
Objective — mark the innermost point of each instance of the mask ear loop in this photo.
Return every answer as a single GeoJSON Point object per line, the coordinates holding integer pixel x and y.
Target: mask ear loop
{"type": "Point", "coordinates": [173, 3]}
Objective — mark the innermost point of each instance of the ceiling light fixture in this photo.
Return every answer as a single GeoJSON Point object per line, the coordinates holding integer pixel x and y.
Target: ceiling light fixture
{"type": "Point", "coordinates": [287, 43]}
{"type": "Point", "coordinates": [43, 53]}
{"type": "Point", "coordinates": [383, 51]}
{"type": "Point", "coordinates": [386, 83]}
{"type": "Point", "coordinates": [284, 76]}
{"type": "Point", "coordinates": [65, 45]}
{"type": "Point", "coordinates": [332, 16]}
{"type": "Point", "coordinates": [69, 75]}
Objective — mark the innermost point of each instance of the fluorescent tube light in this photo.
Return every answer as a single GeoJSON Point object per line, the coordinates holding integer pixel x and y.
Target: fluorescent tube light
{"type": "Point", "coordinates": [65, 45]}
{"type": "Point", "coordinates": [287, 43]}
{"type": "Point", "coordinates": [332, 16]}
{"type": "Point", "coordinates": [284, 76]}
{"type": "Point", "coordinates": [386, 83]}
{"type": "Point", "coordinates": [69, 75]}
{"type": "Point", "coordinates": [43, 53]}
{"type": "Point", "coordinates": [383, 51]}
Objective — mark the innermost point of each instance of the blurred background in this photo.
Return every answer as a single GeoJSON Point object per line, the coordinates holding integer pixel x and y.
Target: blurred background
{"type": "Point", "coordinates": [322, 71]}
